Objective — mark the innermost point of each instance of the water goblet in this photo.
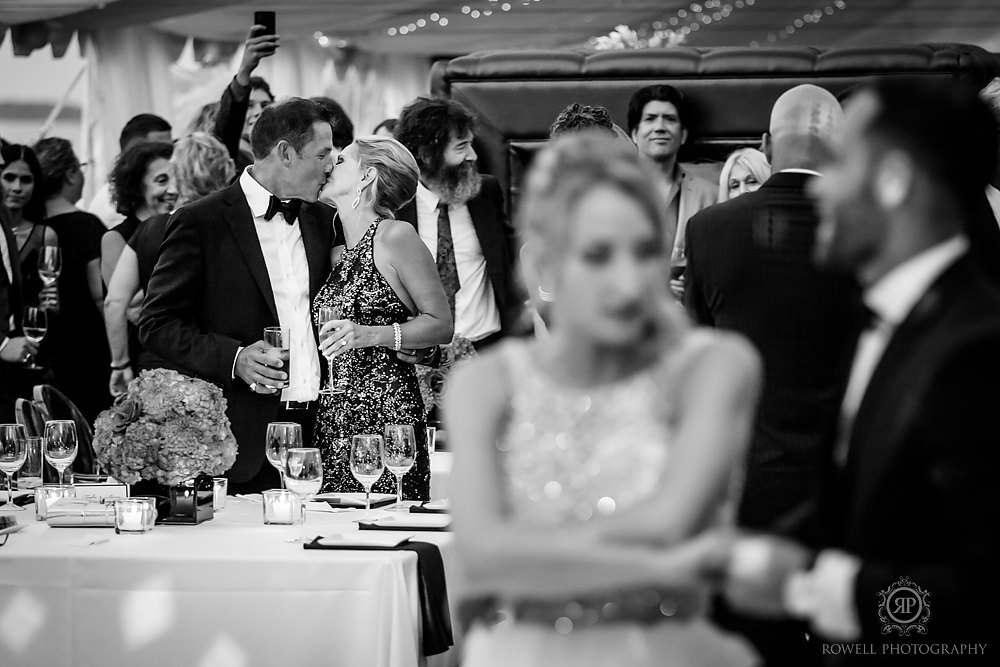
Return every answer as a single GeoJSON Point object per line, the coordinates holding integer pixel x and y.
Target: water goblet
{"type": "Point", "coordinates": [304, 477]}
{"type": "Point", "coordinates": [366, 462]}
{"type": "Point", "coordinates": [281, 436]}
{"type": "Point", "coordinates": [34, 325]}
{"type": "Point", "coordinates": [13, 452]}
{"type": "Point", "coordinates": [398, 453]}
{"type": "Point", "coordinates": [60, 445]}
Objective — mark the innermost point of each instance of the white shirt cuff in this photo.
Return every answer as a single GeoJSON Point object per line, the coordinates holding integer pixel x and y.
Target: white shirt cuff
{"type": "Point", "coordinates": [238, 350]}
{"type": "Point", "coordinates": [825, 596]}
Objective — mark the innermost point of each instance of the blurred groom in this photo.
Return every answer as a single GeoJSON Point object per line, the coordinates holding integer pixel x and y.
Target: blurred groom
{"type": "Point", "coordinates": [242, 259]}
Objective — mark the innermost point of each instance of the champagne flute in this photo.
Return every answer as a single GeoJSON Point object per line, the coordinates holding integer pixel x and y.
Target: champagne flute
{"type": "Point", "coordinates": [399, 452]}
{"type": "Point", "coordinates": [279, 339]}
{"type": "Point", "coordinates": [13, 453]}
{"type": "Point", "coordinates": [49, 264]}
{"type": "Point", "coordinates": [35, 325]}
{"type": "Point", "coordinates": [304, 477]}
{"type": "Point", "coordinates": [328, 314]}
{"type": "Point", "coordinates": [366, 463]}
{"type": "Point", "coordinates": [281, 436]}
{"type": "Point", "coordinates": [60, 445]}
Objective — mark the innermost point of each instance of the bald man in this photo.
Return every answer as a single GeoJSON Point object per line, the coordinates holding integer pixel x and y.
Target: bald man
{"type": "Point", "coordinates": [750, 270]}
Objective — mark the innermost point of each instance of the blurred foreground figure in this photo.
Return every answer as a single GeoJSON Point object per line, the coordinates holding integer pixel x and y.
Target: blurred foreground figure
{"type": "Point", "coordinates": [918, 419]}
{"type": "Point", "coordinates": [588, 461]}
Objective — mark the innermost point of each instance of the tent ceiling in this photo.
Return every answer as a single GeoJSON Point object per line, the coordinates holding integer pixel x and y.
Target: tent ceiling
{"type": "Point", "coordinates": [530, 23]}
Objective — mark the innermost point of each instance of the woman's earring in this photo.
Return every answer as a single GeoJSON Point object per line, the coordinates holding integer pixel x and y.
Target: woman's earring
{"type": "Point", "coordinates": [545, 295]}
{"type": "Point", "coordinates": [357, 200]}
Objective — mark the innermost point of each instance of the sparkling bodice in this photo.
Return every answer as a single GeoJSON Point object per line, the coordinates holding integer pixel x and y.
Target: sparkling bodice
{"type": "Point", "coordinates": [571, 454]}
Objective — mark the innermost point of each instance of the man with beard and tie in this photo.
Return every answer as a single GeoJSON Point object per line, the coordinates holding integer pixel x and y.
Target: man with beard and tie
{"type": "Point", "coordinates": [244, 258]}
{"type": "Point", "coordinates": [459, 215]}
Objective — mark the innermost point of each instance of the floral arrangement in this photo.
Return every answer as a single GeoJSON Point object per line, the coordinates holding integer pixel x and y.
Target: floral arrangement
{"type": "Point", "coordinates": [167, 427]}
{"type": "Point", "coordinates": [624, 37]}
{"type": "Point", "coordinates": [432, 380]}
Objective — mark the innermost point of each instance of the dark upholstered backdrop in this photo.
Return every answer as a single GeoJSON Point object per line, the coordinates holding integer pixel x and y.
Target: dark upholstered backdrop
{"type": "Point", "coordinates": [517, 94]}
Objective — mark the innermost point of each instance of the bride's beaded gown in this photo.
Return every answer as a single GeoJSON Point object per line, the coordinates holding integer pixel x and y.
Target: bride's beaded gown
{"type": "Point", "coordinates": [570, 455]}
{"type": "Point", "coordinates": [381, 389]}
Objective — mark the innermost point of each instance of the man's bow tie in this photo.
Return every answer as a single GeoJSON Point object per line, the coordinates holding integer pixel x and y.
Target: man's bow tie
{"type": "Point", "coordinates": [289, 209]}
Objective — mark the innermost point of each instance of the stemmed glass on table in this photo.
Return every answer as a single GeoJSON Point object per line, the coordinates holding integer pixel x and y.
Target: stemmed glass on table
{"type": "Point", "coordinates": [281, 436]}
{"type": "Point", "coordinates": [34, 325]}
{"type": "Point", "coordinates": [334, 385]}
{"type": "Point", "coordinates": [303, 477]}
{"type": "Point", "coordinates": [366, 462]}
{"type": "Point", "coordinates": [13, 453]}
{"type": "Point", "coordinates": [60, 445]}
{"type": "Point", "coordinates": [398, 453]}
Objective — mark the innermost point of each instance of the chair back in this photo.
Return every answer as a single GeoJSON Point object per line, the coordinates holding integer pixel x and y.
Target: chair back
{"type": "Point", "coordinates": [27, 414]}
{"type": "Point", "coordinates": [53, 404]}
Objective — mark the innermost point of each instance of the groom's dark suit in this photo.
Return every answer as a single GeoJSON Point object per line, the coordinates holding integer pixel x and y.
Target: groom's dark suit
{"type": "Point", "coordinates": [210, 294]}
{"type": "Point", "coordinates": [917, 496]}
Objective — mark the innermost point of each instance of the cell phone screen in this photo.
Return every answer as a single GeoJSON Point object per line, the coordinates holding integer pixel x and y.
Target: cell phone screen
{"type": "Point", "coordinates": [268, 20]}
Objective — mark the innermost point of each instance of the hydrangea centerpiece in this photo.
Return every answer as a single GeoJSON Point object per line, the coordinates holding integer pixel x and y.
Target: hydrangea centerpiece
{"type": "Point", "coordinates": [167, 427]}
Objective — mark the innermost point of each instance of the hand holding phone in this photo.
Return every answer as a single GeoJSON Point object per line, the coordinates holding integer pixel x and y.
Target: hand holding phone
{"type": "Point", "coordinates": [268, 21]}
{"type": "Point", "coordinates": [262, 42]}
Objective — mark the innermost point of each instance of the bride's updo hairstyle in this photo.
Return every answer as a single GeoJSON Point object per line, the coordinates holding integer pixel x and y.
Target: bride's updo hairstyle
{"type": "Point", "coordinates": [396, 172]}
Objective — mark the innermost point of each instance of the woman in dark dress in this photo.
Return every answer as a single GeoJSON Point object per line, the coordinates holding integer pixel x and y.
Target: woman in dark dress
{"type": "Point", "coordinates": [78, 350]}
{"type": "Point", "coordinates": [390, 298]}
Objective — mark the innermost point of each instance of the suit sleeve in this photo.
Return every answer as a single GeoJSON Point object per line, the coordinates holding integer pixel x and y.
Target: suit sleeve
{"type": "Point", "coordinates": [511, 245]}
{"type": "Point", "coordinates": [168, 324]}
{"type": "Point", "coordinates": [694, 295]}
{"type": "Point", "coordinates": [232, 114]}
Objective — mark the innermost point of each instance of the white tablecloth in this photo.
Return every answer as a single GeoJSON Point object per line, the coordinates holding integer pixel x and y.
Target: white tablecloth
{"type": "Point", "coordinates": [230, 592]}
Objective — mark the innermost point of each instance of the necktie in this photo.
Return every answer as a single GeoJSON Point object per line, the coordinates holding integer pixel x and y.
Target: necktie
{"type": "Point", "coordinates": [289, 209]}
{"type": "Point", "coordinates": [447, 269]}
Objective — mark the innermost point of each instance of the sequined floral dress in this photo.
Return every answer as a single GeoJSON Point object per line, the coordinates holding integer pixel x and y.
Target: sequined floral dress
{"type": "Point", "coordinates": [568, 455]}
{"type": "Point", "coordinates": [381, 389]}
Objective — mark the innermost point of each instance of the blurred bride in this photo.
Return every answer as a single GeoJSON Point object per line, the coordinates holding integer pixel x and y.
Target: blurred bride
{"type": "Point", "coordinates": [587, 462]}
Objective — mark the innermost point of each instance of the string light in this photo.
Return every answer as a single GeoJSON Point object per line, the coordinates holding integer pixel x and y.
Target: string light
{"type": "Point", "coordinates": [809, 18]}
{"type": "Point", "coordinates": [673, 30]}
{"type": "Point", "coordinates": [438, 19]}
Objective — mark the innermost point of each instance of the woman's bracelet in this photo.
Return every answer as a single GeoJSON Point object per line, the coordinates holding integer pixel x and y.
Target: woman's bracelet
{"type": "Point", "coordinates": [397, 337]}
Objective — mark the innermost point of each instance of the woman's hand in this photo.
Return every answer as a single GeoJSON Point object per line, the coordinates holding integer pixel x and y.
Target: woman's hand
{"type": "Point", "coordinates": [119, 380]}
{"type": "Point", "coordinates": [338, 336]}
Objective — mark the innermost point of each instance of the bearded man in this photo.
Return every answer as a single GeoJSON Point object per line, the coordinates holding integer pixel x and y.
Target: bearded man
{"type": "Point", "coordinates": [460, 217]}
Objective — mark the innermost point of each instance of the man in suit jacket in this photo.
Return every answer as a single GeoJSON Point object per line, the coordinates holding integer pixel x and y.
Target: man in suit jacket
{"type": "Point", "coordinates": [750, 269]}
{"type": "Point", "coordinates": [906, 560]}
{"type": "Point", "coordinates": [14, 348]}
{"type": "Point", "coordinates": [459, 214]}
{"type": "Point", "coordinates": [242, 259]}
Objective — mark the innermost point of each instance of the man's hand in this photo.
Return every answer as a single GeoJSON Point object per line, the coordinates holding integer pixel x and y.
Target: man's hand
{"type": "Point", "coordinates": [255, 49]}
{"type": "Point", "coordinates": [418, 356]}
{"type": "Point", "coordinates": [17, 350]}
{"type": "Point", "coordinates": [118, 384]}
{"type": "Point", "coordinates": [48, 298]}
{"type": "Point", "coordinates": [677, 288]}
{"type": "Point", "coordinates": [256, 366]}
{"type": "Point", "coordinates": [759, 568]}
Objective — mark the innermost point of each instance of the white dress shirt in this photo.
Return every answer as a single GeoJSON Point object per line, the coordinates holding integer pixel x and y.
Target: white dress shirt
{"type": "Point", "coordinates": [476, 312]}
{"type": "Point", "coordinates": [993, 197]}
{"type": "Point", "coordinates": [288, 271]}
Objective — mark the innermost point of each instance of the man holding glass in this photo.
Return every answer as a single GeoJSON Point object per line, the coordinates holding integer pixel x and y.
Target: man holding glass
{"type": "Point", "coordinates": [242, 260]}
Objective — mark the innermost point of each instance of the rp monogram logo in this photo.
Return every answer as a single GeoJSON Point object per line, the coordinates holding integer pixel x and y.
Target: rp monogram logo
{"type": "Point", "coordinates": [903, 608]}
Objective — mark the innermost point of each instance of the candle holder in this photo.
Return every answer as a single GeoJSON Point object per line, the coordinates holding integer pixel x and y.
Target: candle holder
{"type": "Point", "coordinates": [220, 489]}
{"type": "Point", "coordinates": [47, 494]}
{"type": "Point", "coordinates": [134, 516]}
{"type": "Point", "coordinates": [279, 507]}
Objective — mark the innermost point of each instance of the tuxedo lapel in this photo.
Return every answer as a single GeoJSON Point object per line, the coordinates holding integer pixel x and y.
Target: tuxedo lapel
{"type": "Point", "coordinates": [240, 221]}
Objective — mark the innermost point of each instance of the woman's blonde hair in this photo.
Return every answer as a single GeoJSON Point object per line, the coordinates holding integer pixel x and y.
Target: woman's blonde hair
{"type": "Point", "coordinates": [396, 173]}
{"type": "Point", "coordinates": [201, 166]}
{"type": "Point", "coordinates": [752, 160]}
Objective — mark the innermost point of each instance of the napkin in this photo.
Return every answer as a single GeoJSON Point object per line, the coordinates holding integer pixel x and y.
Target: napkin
{"type": "Point", "coordinates": [351, 500]}
{"type": "Point", "coordinates": [436, 619]}
{"type": "Point", "coordinates": [436, 522]}
{"type": "Point", "coordinates": [81, 512]}
{"type": "Point", "coordinates": [442, 506]}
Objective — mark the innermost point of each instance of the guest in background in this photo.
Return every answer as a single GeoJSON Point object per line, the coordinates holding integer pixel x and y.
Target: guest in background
{"type": "Point", "coordinates": [14, 347]}
{"type": "Point", "coordinates": [387, 128]}
{"type": "Point", "coordinates": [918, 418]}
{"type": "Point", "coordinates": [340, 122]}
{"type": "Point", "coordinates": [204, 121]}
{"type": "Point", "coordinates": [750, 270]}
{"type": "Point", "coordinates": [459, 214]}
{"type": "Point", "coordinates": [587, 463]}
{"type": "Point", "coordinates": [745, 170]}
{"type": "Point", "coordinates": [201, 166]}
{"type": "Point", "coordinates": [578, 117]}
{"type": "Point", "coordinates": [77, 349]}
{"type": "Point", "coordinates": [658, 122]}
{"type": "Point", "coordinates": [144, 127]}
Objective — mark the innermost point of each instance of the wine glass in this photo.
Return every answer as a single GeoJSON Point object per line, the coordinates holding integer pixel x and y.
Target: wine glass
{"type": "Point", "coordinates": [366, 462]}
{"type": "Point", "coordinates": [13, 453]}
{"type": "Point", "coordinates": [60, 445]}
{"type": "Point", "coordinates": [49, 264]}
{"type": "Point", "coordinates": [35, 325]}
{"type": "Point", "coordinates": [328, 314]}
{"type": "Point", "coordinates": [281, 436]}
{"type": "Point", "coordinates": [399, 451]}
{"type": "Point", "coordinates": [304, 477]}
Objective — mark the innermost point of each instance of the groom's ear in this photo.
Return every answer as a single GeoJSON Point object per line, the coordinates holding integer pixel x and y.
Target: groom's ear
{"type": "Point", "coordinates": [285, 152]}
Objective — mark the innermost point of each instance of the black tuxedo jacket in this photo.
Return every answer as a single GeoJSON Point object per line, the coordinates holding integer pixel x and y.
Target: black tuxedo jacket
{"type": "Point", "coordinates": [210, 294]}
{"type": "Point", "coordinates": [750, 269]}
{"type": "Point", "coordinates": [497, 239]}
{"type": "Point", "coordinates": [917, 496]}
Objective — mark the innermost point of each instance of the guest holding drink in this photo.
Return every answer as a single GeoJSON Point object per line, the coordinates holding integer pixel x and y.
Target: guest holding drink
{"type": "Point", "coordinates": [588, 462]}
{"type": "Point", "coordinates": [389, 298]}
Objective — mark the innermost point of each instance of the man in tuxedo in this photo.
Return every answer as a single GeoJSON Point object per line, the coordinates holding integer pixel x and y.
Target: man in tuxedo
{"type": "Point", "coordinates": [906, 550]}
{"type": "Point", "coordinates": [459, 215]}
{"type": "Point", "coordinates": [14, 348]}
{"type": "Point", "coordinates": [750, 270]}
{"type": "Point", "coordinates": [248, 257]}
